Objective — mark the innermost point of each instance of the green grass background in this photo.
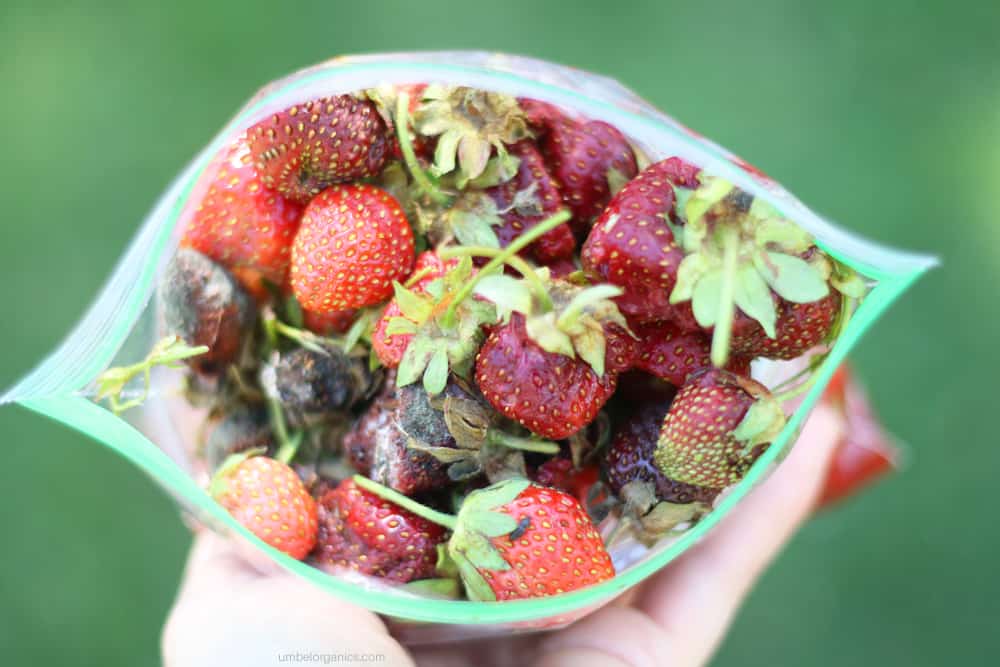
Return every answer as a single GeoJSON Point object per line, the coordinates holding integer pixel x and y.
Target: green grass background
{"type": "Point", "coordinates": [884, 116]}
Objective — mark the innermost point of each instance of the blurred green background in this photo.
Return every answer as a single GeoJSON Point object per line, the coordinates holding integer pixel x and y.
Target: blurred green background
{"type": "Point", "coordinates": [884, 116]}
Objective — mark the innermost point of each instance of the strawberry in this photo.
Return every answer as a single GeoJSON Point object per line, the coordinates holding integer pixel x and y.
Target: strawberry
{"type": "Point", "coordinates": [362, 532]}
{"type": "Point", "coordinates": [638, 386]}
{"type": "Point", "coordinates": [270, 500]}
{"type": "Point", "coordinates": [527, 199]}
{"type": "Point", "coordinates": [240, 224]}
{"type": "Point", "coordinates": [671, 354]}
{"type": "Point", "coordinates": [242, 428]}
{"type": "Point", "coordinates": [550, 393]}
{"type": "Point", "coordinates": [559, 473]}
{"type": "Point", "coordinates": [587, 159]}
{"type": "Point", "coordinates": [381, 444]}
{"type": "Point", "coordinates": [552, 366]}
{"type": "Point", "coordinates": [301, 150]}
{"type": "Point", "coordinates": [717, 426]}
{"type": "Point", "coordinates": [629, 466]}
{"type": "Point", "coordinates": [321, 379]}
{"type": "Point", "coordinates": [632, 244]}
{"type": "Point", "coordinates": [353, 242]}
{"type": "Point", "coordinates": [541, 116]}
{"type": "Point", "coordinates": [204, 305]}
{"type": "Point", "coordinates": [329, 324]}
{"type": "Point", "coordinates": [744, 262]}
{"type": "Point", "coordinates": [516, 540]}
{"type": "Point", "coordinates": [798, 328]}
{"type": "Point", "coordinates": [390, 347]}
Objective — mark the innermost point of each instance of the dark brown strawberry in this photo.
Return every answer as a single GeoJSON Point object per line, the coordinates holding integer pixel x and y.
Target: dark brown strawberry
{"type": "Point", "coordinates": [586, 158]}
{"type": "Point", "coordinates": [632, 244]}
{"type": "Point", "coordinates": [242, 428]}
{"type": "Point", "coordinates": [717, 426]}
{"type": "Point", "coordinates": [301, 150]}
{"type": "Point", "coordinates": [204, 305]}
{"type": "Point", "coordinates": [324, 379]}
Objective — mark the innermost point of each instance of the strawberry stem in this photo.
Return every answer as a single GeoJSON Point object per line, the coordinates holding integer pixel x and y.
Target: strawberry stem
{"type": "Point", "coordinates": [727, 295]}
{"type": "Point", "coordinates": [502, 257]}
{"type": "Point", "coordinates": [421, 178]}
{"type": "Point", "coordinates": [515, 262]}
{"type": "Point", "coordinates": [288, 444]}
{"type": "Point", "coordinates": [796, 391]}
{"type": "Point", "coordinates": [447, 520]}
{"type": "Point", "coordinates": [417, 276]}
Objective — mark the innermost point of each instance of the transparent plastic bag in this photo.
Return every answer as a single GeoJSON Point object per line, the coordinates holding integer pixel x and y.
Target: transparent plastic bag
{"type": "Point", "coordinates": [122, 325]}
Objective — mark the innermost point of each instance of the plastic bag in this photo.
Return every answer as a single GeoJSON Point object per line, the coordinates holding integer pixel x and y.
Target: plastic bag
{"type": "Point", "coordinates": [121, 326]}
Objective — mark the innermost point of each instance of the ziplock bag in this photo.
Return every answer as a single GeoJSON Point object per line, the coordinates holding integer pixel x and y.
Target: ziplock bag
{"type": "Point", "coordinates": [122, 326]}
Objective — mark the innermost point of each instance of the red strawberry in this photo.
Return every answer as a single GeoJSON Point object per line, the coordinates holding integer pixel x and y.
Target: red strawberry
{"type": "Point", "coordinates": [717, 426]}
{"type": "Point", "coordinates": [240, 224]}
{"type": "Point", "coordinates": [353, 242]}
{"type": "Point", "coordinates": [362, 532]}
{"type": "Point", "coordinates": [632, 245]}
{"type": "Point", "coordinates": [551, 394]}
{"type": "Point", "coordinates": [629, 464]}
{"type": "Point", "coordinates": [672, 355]}
{"type": "Point", "coordinates": [516, 540]}
{"type": "Point", "coordinates": [390, 348]}
{"type": "Point", "coordinates": [556, 519]}
{"type": "Point", "coordinates": [541, 116]}
{"type": "Point", "coordinates": [799, 327]}
{"type": "Point", "coordinates": [303, 149]}
{"type": "Point", "coordinates": [582, 156]}
{"type": "Point", "coordinates": [527, 199]}
{"type": "Point", "coordinates": [559, 473]}
{"type": "Point", "coordinates": [329, 324]}
{"type": "Point", "coordinates": [267, 497]}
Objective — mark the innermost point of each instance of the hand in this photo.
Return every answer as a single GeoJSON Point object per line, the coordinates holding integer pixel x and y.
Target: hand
{"type": "Point", "coordinates": [229, 613]}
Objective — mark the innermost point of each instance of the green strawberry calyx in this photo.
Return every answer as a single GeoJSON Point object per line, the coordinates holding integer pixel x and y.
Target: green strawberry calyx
{"type": "Point", "coordinates": [482, 446]}
{"type": "Point", "coordinates": [738, 249]}
{"type": "Point", "coordinates": [219, 484]}
{"type": "Point", "coordinates": [469, 125]}
{"type": "Point", "coordinates": [440, 345]}
{"type": "Point", "coordinates": [573, 325]}
{"type": "Point", "coordinates": [470, 549]}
